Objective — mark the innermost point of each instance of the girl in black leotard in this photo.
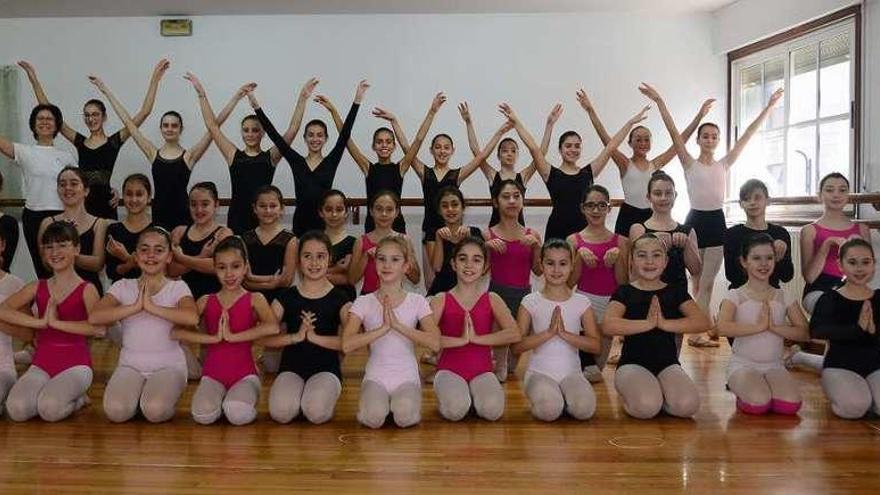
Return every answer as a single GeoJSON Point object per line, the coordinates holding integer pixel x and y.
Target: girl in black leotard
{"type": "Point", "coordinates": [440, 175]}
{"type": "Point", "coordinates": [271, 247]}
{"type": "Point", "coordinates": [450, 205]}
{"type": "Point", "coordinates": [312, 174]}
{"type": "Point", "coordinates": [508, 151]}
{"type": "Point", "coordinates": [193, 245]}
{"type": "Point", "coordinates": [171, 164]}
{"type": "Point", "coordinates": [680, 240]}
{"type": "Point", "coordinates": [97, 153]}
{"type": "Point", "coordinates": [73, 190]}
{"type": "Point", "coordinates": [249, 168]}
{"type": "Point", "coordinates": [568, 183]}
{"type": "Point", "coordinates": [334, 213]}
{"type": "Point", "coordinates": [122, 236]}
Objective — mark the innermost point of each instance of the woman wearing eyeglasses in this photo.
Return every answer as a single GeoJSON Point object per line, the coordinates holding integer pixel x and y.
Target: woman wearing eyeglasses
{"type": "Point", "coordinates": [599, 267]}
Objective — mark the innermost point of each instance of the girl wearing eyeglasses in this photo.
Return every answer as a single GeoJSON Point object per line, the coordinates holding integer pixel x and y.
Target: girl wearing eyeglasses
{"type": "Point", "coordinates": [599, 267]}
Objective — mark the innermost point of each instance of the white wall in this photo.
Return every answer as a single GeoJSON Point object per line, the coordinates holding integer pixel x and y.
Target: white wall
{"type": "Point", "coordinates": [532, 61]}
{"type": "Point", "coordinates": [747, 21]}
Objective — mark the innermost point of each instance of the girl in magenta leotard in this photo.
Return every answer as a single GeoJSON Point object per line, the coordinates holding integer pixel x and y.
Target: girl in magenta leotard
{"type": "Point", "coordinates": [599, 267]}
{"type": "Point", "coordinates": [232, 319]}
{"type": "Point", "coordinates": [56, 383]}
{"type": "Point", "coordinates": [468, 316]}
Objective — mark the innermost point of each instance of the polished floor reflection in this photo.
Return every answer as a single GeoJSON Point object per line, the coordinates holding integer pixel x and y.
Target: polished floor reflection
{"type": "Point", "coordinates": [718, 450]}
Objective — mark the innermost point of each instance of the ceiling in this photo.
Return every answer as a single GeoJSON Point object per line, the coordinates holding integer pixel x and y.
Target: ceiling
{"type": "Point", "coordinates": [152, 8]}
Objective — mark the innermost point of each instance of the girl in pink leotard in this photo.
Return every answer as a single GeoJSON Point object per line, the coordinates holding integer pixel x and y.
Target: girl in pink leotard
{"type": "Point", "coordinates": [514, 256]}
{"type": "Point", "coordinates": [384, 209]}
{"type": "Point", "coordinates": [56, 383]}
{"type": "Point", "coordinates": [386, 321]}
{"type": "Point", "coordinates": [232, 319]}
{"type": "Point", "coordinates": [468, 316]}
{"type": "Point", "coordinates": [599, 267]}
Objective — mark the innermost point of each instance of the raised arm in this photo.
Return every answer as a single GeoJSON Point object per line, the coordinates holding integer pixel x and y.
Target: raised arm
{"type": "Point", "coordinates": [149, 99]}
{"type": "Point", "coordinates": [538, 158]}
{"type": "Point", "coordinates": [359, 158]}
{"type": "Point", "coordinates": [663, 158]}
{"type": "Point", "coordinates": [619, 158]}
{"type": "Point", "coordinates": [7, 147]}
{"type": "Point", "coordinates": [481, 157]}
{"type": "Point", "coordinates": [552, 118]}
{"type": "Point", "coordinates": [41, 97]}
{"type": "Point", "coordinates": [741, 143]}
{"type": "Point", "coordinates": [296, 119]}
{"type": "Point", "coordinates": [411, 152]}
{"type": "Point", "coordinates": [598, 163]}
{"type": "Point", "coordinates": [195, 152]}
{"type": "Point", "coordinates": [344, 136]}
{"type": "Point", "coordinates": [473, 142]}
{"type": "Point", "coordinates": [677, 142]}
{"type": "Point", "coordinates": [227, 149]}
{"type": "Point", "coordinates": [147, 147]}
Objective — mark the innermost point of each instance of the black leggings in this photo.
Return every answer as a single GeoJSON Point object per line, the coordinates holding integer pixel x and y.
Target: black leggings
{"type": "Point", "coordinates": [30, 223]}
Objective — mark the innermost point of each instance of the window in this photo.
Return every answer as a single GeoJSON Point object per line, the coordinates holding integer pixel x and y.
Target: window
{"type": "Point", "coordinates": [812, 131]}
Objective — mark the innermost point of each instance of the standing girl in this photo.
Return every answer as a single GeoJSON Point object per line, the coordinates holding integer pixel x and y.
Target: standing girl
{"type": "Point", "coordinates": [599, 267]}
{"type": "Point", "coordinates": [152, 371]}
{"type": "Point", "coordinates": [56, 383]}
{"type": "Point", "coordinates": [385, 208]}
{"type": "Point", "coordinates": [386, 321]}
{"type": "Point", "coordinates": [450, 204]}
{"type": "Point", "coordinates": [755, 314]}
{"type": "Point", "coordinates": [679, 240]}
{"type": "Point", "coordinates": [271, 248]}
{"type": "Point", "coordinates": [122, 237]}
{"type": "Point", "coordinates": [309, 378]}
{"type": "Point", "coordinates": [507, 154]}
{"type": "Point", "coordinates": [555, 323]}
{"type": "Point", "coordinates": [334, 213]}
{"type": "Point", "coordinates": [468, 317]}
{"type": "Point", "coordinates": [98, 152]}
{"type": "Point", "coordinates": [193, 245]}
{"type": "Point", "coordinates": [707, 183]}
{"type": "Point", "coordinates": [649, 313]}
{"type": "Point", "coordinates": [250, 168]}
{"type": "Point", "coordinates": [312, 174]}
{"type": "Point", "coordinates": [73, 189]}
{"type": "Point", "coordinates": [848, 318]}
{"type": "Point", "coordinates": [514, 253]}
{"type": "Point", "coordinates": [567, 183]}
{"type": "Point", "coordinates": [233, 319]}
{"type": "Point", "coordinates": [635, 171]}
{"type": "Point", "coordinates": [171, 164]}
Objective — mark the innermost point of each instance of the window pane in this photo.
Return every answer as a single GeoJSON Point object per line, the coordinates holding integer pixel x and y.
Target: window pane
{"type": "Point", "coordinates": [803, 85]}
{"type": "Point", "coordinates": [774, 78]}
{"type": "Point", "coordinates": [751, 98]}
{"type": "Point", "coordinates": [834, 147]}
{"type": "Point", "coordinates": [801, 171]}
{"type": "Point", "coordinates": [762, 159]}
{"type": "Point", "coordinates": [834, 74]}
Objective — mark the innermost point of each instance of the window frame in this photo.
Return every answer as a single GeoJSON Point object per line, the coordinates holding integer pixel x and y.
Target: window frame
{"type": "Point", "coordinates": [783, 44]}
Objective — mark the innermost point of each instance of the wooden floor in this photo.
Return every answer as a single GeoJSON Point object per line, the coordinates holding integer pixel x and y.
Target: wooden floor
{"type": "Point", "coordinates": [717, 450]}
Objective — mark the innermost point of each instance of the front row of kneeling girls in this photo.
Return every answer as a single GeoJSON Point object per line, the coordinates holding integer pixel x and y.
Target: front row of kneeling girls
{"type": "Point", "coordinates": [156, 314]}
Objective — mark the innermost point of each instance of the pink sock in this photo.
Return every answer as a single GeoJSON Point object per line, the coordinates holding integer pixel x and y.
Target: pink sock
{"type": "Point", "coordinates": [752, 408]}
{"type": "Point", "coordinates": [785, 407]}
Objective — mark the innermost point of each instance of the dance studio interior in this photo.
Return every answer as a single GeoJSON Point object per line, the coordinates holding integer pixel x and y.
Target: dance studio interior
{"type": "Point", "coordinates": [486, 246]}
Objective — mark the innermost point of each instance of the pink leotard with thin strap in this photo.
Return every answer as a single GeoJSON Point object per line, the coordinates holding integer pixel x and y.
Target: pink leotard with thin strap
{"type": "Point", "coordinates": [371, 276]}
{"type": "Point", "coordinates": [511, 268]}
{"type": "Point", "coordinates": [471, 360]}
{"type": "Point", "coordinates": [58, 351]}
{"type": "Point", "coordinates": [600, 280]}
{"type": "Point", "coordinates": [229, 362]}
{"type": "Point", "coordinates": [831, 266]}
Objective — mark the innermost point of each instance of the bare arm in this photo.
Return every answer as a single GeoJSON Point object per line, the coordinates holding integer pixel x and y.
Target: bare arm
{"type": "Point", "coordinates": [509, 332]}
{"type": "Point", "coordinates": [615, 324]}
{"type": "Point", "coordinates": [598, 163]}
{"type": "Point", "coordinates": [352, 337]}
{"type": "Point", "coordinates": [149, 98]}
{"type": "Point", "coordinates": [538, 159]}
{"type": "Point", "coordinates": [619, 158]}
{"type": "Point", "coordinates": [411, 156]}
{"type": "Point", "coordinates": [227, 149]}
{"type": "Point", "coordinates": [694, 320]}
{"type": "Point", "coordinates": [481, 157]}
{"type": "Point", "coordinates": [677, 142]}
{"type": "Point", "coordinates": [268, 323]}
{"type": "Point", "coordinates": [95, 262]}
{"type": "Point", "coordinates": [741, 143]}
{"type": "Point", "coordinates": [529, 338]}
{"type": "Point", "coordinates": [729, 327]}
{"type": "Point", "coordinates": [194, 153]}
{"type": "Point", "coordinates": [359, 158]}
{"type": "Point", "coordinates": [588, 340]}
{"type": "Point", "coordinates": [147, 147]}
{"type": "Point", "coordinates": [662, 159]}
{"type": "Point", "coordinates": [41, 97]}
{"type": "Point", "coordinates": [358, 262]}
{"type": "Point", "coordinates": [83, 327]}
{"type": "Point", "coordinates": [797, 329]}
